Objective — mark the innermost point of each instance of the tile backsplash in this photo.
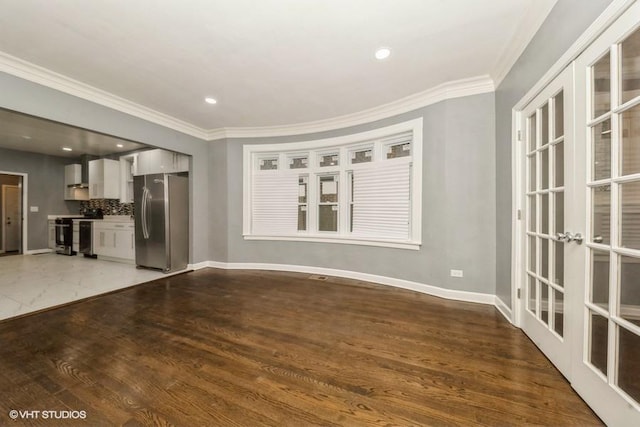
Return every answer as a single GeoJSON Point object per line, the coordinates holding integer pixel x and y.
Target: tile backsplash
{"type": "Point", "coordinates": [108, 206]}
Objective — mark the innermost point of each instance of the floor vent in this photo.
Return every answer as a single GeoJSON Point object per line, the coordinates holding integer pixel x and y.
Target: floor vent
{"type": "Point", "coordinates": [317, 277]}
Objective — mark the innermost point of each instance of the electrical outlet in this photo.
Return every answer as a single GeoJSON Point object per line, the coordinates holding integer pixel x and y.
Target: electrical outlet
{"type": "Point", "coordinates": [456, 273]}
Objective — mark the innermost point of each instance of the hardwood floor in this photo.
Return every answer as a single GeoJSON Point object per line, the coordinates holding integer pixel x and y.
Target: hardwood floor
{"type": "Point", "coordinates": [250, 348]}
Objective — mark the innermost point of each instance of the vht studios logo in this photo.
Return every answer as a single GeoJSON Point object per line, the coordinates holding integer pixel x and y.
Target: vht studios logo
{"type": "Point", "coordinates": [47, 415]}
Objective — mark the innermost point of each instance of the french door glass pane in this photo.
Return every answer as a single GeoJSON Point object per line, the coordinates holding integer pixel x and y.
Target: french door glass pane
{"type": "Point", "coordinates": [599, 329]}
{"type": "Point", "coordinates": [601, 87]}
{"type": "Point", "coordinates": [629, 363]}
{"type": "Point", "coordinates": [532, 254]}
{"type": "Point", "coordinates": [544, 213]}
{"type": "Point", "coordinates": [532, 213]}
{"type": "Point", "coordinates": [532, 133]}
{"type": "Point", "coordinates": [558, 312]}
{"type": "Point", "coordinates": [544, 169]}
{"type": "Point", "coordinates": [559, 264]}
{"type": "Point", "coordinates": [559, 115]}
{"type": "Point", "coordinates": [601, 214]}
{"type": "Point", "coordinates": [630, 66]}
{"type": "Point", "coordinates": [544, 302]}
{"type": "Point", "coordinates": [559, 163]}
{"type": "Point", "coordinates": [630, 151]}
{"type": "Point", "coordinates": [532, 173]}
{"type": "Point", "coordinates": [544, 258]}
{"type": "Point", "coordinates": [630, 290]}
{"type": "Point", "coordinates": [602, 150]}
{"type": "Point", "coordinates": [559, 219]}
{"type": "Point", "coordinates": [531, 301]}
{"type": "Point", "coordinates": [630, 215]}
{"type": "Point", "coordinates": [600, 278]}
{"type": "Point", "coordinates": [544, 124]}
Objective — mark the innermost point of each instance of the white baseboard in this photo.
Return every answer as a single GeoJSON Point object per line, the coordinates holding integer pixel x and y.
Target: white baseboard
{"type": "Point", "coordinates": [383, 280]}
{"type": "Point", "coordinates": [199, 265]}
{"type": "Point", "coordinates": [38, 251]}
{"type": "Point", "coordinates": [504, 309]}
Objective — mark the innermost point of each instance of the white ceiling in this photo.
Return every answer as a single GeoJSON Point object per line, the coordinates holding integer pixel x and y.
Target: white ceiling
{"type": "Point", "coordinates": [267, 62]}
{"type": "Point", "coordinates": [26, 133]}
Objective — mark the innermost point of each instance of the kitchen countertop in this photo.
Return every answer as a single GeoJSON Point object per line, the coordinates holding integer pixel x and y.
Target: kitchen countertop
{"type": "Point", "coordinates": [108, 218]}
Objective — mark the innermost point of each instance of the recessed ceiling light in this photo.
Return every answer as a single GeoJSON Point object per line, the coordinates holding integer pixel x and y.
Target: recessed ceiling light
{"type": "Point", "coordinates": [119, 145]}
{"type": "Point", "coordinates": [210, 100]}
{"type": "Point", "coordinates": [67, 149]}
{"type": "Point", "coordinates": [383, 53]}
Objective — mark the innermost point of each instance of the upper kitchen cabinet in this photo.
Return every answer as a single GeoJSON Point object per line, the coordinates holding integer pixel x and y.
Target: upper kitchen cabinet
{"type": "Point", "coordinates": [128, 168]}
{"type": "Point", "coordinates": [104, 179]}
{"type": "Point", "coordinates": [74, 189]}
{"type": "Point", "coordinates": [161, 161]}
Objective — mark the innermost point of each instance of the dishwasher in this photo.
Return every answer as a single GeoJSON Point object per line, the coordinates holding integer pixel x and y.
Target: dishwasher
{"type": "Point", "coordinates": [86, 239]}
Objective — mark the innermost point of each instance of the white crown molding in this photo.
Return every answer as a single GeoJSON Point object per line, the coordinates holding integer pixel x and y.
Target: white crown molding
{"type": "Point", "coordinates": [449, 90]}
{"type": "Point", "coordinates": [383, 280]}
{"type": "Point", "coordinates": [34, 73]}
{"type": "Point", "coordinates": [527, 28]}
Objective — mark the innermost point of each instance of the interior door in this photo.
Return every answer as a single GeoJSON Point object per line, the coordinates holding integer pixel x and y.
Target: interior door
{"type": "Point", "coordinates": [549, 246]}
{"type": "Point", "coordinates": [607, 357]}
{"type": "Point", "coordinates": [12, 217]}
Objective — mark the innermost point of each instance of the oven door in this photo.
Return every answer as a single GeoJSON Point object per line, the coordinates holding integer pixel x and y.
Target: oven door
{"type": "Point", "coordinates": [62, 231]}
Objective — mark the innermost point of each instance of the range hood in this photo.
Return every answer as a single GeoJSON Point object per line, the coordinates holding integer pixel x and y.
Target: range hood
{"type": "Point", "coordinates": [84, 172]}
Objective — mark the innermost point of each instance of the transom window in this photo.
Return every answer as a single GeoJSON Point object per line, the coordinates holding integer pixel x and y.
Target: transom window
{"type": "Point", "coordinates": [362, 188]}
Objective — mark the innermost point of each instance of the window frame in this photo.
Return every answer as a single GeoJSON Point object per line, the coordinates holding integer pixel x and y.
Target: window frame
{"type": "Point", "coordinates": [344, 145]}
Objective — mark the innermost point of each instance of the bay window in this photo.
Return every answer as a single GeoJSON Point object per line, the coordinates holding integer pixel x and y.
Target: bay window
{"type": "Point", "coordinates": [361, 188]}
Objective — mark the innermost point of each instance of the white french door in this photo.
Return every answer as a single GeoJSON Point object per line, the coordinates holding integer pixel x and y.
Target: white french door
{"type": "Point", "coordinates": [548, 256]}
{"type": "Point", "coordinates": [607, 356]}
{"type": "Point", "coordinates": [581, 233]}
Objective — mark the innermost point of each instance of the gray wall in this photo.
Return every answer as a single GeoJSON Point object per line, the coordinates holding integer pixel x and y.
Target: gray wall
{"type": "Point", "coordinates": [218, 203]}
{"type": "Point", "coordinates": [30, 98]}
{"type": "Point", "coordinates": [458, 218]}
{"type": "Point", "coordinates": [566, 22]}
{"type": "Point", "coordinates": [45, 183]}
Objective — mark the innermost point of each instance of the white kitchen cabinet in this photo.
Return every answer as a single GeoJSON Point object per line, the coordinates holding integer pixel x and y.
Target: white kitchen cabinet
{"type": "Point", "coordinates": [128, 168]}
{"type": "Point", "coordinates": [72, 181]}
{"type": "Point", "coordinates": [114, 240]}
{"type": "Point", "coordinates": [161, 161]}
{"type": "Point", "coordinates": [104, 179]}
{"type": "Point", "coordinates": [52, 234]}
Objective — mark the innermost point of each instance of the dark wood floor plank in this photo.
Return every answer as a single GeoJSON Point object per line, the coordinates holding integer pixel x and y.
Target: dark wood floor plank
{"type": "Point", "coordinates": [252, 348]}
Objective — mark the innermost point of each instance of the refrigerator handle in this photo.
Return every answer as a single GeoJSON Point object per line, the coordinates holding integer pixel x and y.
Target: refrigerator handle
{"type": "Point", "coordinates": [145, 212]}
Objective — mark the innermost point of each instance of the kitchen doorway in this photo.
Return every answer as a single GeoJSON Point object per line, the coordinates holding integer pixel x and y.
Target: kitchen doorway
{"type": "Point", "coordinates": [12, 211]}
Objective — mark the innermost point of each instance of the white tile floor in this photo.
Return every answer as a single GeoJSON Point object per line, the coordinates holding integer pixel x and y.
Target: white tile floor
{"type": "Point", "coordinates": [33, 282]}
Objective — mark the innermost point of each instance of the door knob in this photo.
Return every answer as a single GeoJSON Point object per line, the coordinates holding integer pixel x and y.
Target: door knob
{"type": "Point", "coordinates": [569, 237]}
{"type": "Point", "coordinates": [575, 238]}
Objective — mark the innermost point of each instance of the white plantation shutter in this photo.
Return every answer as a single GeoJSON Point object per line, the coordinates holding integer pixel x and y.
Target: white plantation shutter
{"type": "Point", "coordinates": [381, 200]}
{"type": "Point", "coordinates": [274, 204]}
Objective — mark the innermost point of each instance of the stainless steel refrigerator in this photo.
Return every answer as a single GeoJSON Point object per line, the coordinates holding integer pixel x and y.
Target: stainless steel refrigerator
{"type": "Point", "coordinates": [161, 221]}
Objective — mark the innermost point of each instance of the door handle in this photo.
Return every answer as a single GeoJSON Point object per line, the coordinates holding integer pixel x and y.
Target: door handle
{"type": "Point", "coordinates": [569, 237]}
